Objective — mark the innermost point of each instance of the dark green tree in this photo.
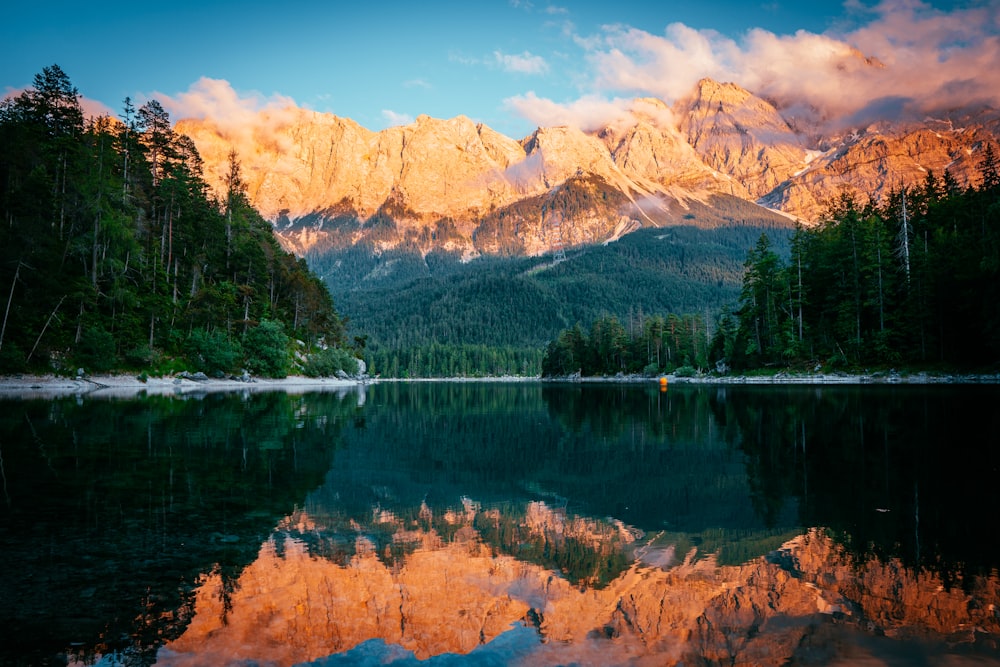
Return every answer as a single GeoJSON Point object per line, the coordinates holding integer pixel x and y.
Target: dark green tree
{"type": "Point", "coordinates": [266, 349]}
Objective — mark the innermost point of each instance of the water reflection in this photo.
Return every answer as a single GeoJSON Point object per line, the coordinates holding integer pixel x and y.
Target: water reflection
{"type": "Point", "coordinates": [507, 524]}
{"type": "Point", "coordinates": [113, 510]}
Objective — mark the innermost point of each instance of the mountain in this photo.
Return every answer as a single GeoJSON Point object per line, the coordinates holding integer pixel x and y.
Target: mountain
{"type": "Point", "coordinates": [655, 215]}
{"type": "Point", "coordinates": [459, 186]}
{"type": "Point", "coordinates": [740, 135]}
{"type": "Point", "coordinates": [882, 158]}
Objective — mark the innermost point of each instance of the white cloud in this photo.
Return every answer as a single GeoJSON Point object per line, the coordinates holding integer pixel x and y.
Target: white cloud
{"type": "Point", "coordinates": [93, 108]}
{"type": "Point", "coordinates": [393, 118]}
{"type": "Point", "coordinates": [216, 99]}
{"type": "Point", "coordinates": [908, 56]}
{"type": "Point", "coordinates": [248, 122]}
{"type": "Point", "coordinates": [462, 59]}
{"type": "Point", "coordinates": [591, 112]}
{"type": "Point", "coordinates": [523, 63]}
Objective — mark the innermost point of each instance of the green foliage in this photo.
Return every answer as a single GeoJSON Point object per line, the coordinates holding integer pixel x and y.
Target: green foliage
{"type": "Point", "coordinates": [266, 349]}
{"type": "Point", "coordinates": [139, 357]}
{"type": "Point", "coordinates": [914, 281]}
{"type": "Point", "coordinates": [649, 345]}
{"type": "Point", "coordinates": [513, 306]}
{"type": "Point", "coordinates": [112, 226]}
{"type": "Point", "coordinates": [12, 359]}
{"type": "Point", "coordinates": [212, 351]}
{"type": "Point", "coordinates": [326, 363]}
{"type": "Point", "coordinates": [96, 350]}
{"type": "Point", "coordinates": [456, 360]}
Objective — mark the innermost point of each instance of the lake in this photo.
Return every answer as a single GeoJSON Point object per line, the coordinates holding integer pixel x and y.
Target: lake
{"type": "Point", "coordinates": [503, 523]}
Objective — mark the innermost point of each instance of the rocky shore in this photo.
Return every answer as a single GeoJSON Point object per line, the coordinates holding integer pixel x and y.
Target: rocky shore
{"type": "Point", "coordinates": [846, 378]}
{"type": "Point", "coordinates": [797, 378]}
{"type": "Point", "coordinates": [43, 386]}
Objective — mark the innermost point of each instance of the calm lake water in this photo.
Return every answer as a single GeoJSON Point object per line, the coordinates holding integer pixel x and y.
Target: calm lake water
{"type": "Point", "coordinates": [488, 523]}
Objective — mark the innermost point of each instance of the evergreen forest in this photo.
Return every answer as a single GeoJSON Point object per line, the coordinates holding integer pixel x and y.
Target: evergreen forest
{"type": "Point", "coordinates": [431, 314]}
{"type": "Point", "coordinates": [913, 282]}
{"type": "Point", "coordinates": [115, 255]}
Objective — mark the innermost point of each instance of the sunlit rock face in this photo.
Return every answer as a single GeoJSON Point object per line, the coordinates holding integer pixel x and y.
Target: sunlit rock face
{"type": "Point", "coordinates": [460, 594]}
{"type": "Point", "coordinates": [879, 160]}
{"type": "Point", "coordinates": [741, 135]}
{"type": "Point", "coordinates": [313, 162]}
{"type": "Point", "coordinates": [460, 186]}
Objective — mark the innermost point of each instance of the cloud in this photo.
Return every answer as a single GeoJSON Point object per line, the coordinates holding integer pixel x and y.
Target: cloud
{"type": "Point", "coordinates": [248, 123]}
{"type": "Point", "coordinates": [524, 63]}
{"type": "Point", "coordinates": [417, 83]}
{"type": "Point", "coordinates": [93, 108]}
{"type": "Point", "coordinates": [216, 99]}
{"type": "Point", "coordinates": [521, 63]}
{"type": "Point", "coordinates": [393, 118]}
{"type": "Point", "coordinates": [591, 112]}
{"type": "Point", "coordinates": [921, 58]}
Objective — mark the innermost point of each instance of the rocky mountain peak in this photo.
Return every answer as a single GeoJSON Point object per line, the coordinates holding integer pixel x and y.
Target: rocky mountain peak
{"type": "Point", "coordinates": [304, 167]}
{"type": "Point", "coordinates": [740, 134]}
{"type": "Point", "coordinates": [708, 92]}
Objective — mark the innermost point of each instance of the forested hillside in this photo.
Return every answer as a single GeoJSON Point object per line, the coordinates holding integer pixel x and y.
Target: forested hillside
{"type": "Point", "coordinates": [115, 255]}
{"type": "Point", "coordinates": [433, 314]}
{"type": "Point", "coordinates": [912, 283]}
{"type": "Point", "coordinates": [915, 281]}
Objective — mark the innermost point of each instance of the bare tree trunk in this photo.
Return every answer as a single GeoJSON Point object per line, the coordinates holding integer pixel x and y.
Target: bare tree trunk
{"type": "Point", "coordinates": [800, 297]}
{"type": "Point", "coordinates": [97, 216]}
{"type": "Point", "coordinates": [62, 199]}
{"type": "Point", "coordinates": [9, 299]}
{"type": "Point", "coordinates": [47, 322]}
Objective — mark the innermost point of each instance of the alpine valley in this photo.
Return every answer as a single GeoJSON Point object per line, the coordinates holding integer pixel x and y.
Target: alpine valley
{"type": "Point", "coordinates": [446, 232]}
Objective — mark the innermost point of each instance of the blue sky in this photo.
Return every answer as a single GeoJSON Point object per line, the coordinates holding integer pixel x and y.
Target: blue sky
{"type": "Point", "coordinates": [512, 64]}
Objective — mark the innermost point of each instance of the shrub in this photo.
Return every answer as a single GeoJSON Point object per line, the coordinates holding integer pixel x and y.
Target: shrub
{"type": "Point", "coordinates": [96, 350]}
{"type": "Point", "coordinates": [12, 359]}
{"type": "Point", "coordinates": [326, 363]}
{"type": "Point", "coordinates": [266, 349]}
{"type": "Point", "coordinates": [139, 357]}
{"type": "Point", "coordinates": [212, 351]}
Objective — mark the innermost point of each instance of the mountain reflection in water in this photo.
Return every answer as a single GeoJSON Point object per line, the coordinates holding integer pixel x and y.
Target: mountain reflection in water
{"type": "Point", "coordinates": [490, 523]}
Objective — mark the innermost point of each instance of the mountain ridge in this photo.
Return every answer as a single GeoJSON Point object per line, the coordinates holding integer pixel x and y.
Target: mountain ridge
{"type": "Point", "coordinates": [458, 185]}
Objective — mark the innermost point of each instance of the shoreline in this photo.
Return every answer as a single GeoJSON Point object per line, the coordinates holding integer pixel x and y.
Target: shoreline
{"type": "Point", "coordinates": [51, 386]}
{"type": "Point", "coordinates": [805, 379]}
{"type": "Point", "coordinates": [837, 378]}
{"type": "Point", "coordinates": [127, 386]}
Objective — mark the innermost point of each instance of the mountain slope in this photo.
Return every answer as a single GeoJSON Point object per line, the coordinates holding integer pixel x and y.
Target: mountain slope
{"type": "Point", "coordinates": [459, 186]}
{"type": "Point", "coordinates": [403, 298]}
{"type": "Point", "coordinates": [447, 233]}
{"type": "Point", "coordinates": [741, 135]}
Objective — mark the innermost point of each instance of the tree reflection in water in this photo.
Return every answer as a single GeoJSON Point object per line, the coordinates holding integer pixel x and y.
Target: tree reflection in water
{"type": "Point", "coordinates": [530, 523]}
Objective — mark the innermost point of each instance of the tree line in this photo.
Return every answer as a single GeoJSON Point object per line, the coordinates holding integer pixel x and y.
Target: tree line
{"type": "Point", "coordinates": [648, 345]}
{"type": "Point", "coordinates": [434, 314]}
{"type": "Point", "coordinates": [115, 254]}
{"type": "Point", "coordinates": [913, 281]}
